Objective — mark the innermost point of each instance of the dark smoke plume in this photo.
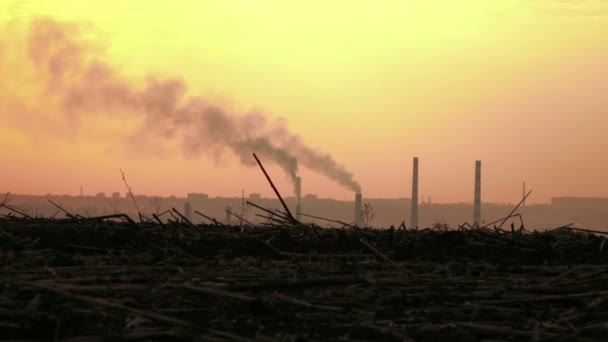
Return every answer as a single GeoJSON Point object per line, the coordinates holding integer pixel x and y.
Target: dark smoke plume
{"type": "Point", "coordinates": [83, 83]}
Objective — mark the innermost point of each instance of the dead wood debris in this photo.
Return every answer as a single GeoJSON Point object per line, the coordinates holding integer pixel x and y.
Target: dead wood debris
{"type": "Point", "coordinates": [109, 278]}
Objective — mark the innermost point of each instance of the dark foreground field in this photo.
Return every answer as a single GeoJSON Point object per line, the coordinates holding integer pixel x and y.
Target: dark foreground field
{"type": "Point", "coordinates": [110, 279]}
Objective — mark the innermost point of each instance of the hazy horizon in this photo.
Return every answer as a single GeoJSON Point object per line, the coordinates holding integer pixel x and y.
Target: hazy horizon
{"type": "Point", "coordinates": [178, 94]}
{"type": "Point", "coordinates": [269, 194]}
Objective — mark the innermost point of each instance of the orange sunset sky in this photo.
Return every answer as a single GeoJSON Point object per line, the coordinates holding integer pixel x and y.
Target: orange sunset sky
{"type": "Point", "coordinates": [520, 85]}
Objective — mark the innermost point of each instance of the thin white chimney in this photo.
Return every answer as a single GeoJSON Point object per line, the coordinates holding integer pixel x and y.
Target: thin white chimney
{"type": "Point", "coordinates": [477, 201]}
{"type": "Point", "coordinates": [298, 197]}
{"type": "Point", "coordinates": [414, 213]}
{"type": "Point", "coordinates": [358, 211]}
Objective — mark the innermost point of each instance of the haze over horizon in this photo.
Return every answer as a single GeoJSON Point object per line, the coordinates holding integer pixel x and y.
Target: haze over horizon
{"type": "Point", "coordinates": [518, 85]}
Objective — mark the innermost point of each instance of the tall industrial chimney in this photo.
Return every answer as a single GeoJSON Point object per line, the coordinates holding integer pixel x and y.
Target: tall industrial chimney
{"type": "Point", "coordinates": [188, 210]}
{"type": "Point", "coordinates": [298, 197]}
{"type": "Point", "coordinates": [477, 202]}
{"type": "Point", "coordinates": [358, 212]}
{"type": "Point", "coordinates": [414, 214]}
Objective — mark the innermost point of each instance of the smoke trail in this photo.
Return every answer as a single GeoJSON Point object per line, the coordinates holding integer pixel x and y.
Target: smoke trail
{"type": "Point", "coordinates": [82, 84]}
{"type": "Point", "coordinates": [85, 85]}
{"type": "Point", "coordinates": [314, 159]}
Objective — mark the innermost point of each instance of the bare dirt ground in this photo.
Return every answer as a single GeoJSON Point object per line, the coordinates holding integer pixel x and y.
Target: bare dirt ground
{"type": "Point", "coordinates": [111, 279]}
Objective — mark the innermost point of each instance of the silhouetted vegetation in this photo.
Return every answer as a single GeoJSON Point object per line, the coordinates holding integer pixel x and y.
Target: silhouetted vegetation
{"type": "Point", "coordinates": [112, 278]}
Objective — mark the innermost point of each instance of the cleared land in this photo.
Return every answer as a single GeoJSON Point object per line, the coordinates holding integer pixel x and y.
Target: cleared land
{"type": "Point", "coordinates": [98, 279]}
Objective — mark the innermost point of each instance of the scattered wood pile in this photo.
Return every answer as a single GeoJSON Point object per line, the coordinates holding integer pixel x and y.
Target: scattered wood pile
{"type": "Point", "coordinates": [109, 278]}
{"type": "Point", "coordinates": [112, 279]}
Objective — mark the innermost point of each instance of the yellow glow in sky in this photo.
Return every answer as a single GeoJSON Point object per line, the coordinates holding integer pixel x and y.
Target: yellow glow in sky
{"type": "Point", "coordinates": [519, 85]}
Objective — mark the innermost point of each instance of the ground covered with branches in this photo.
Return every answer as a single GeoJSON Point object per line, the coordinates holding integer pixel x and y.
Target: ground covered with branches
{"type": "Point", "coordinates": [83, 279]}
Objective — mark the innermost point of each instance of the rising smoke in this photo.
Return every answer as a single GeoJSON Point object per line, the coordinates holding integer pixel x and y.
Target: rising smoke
{"type": "Point", "coordinates": [77, 78]}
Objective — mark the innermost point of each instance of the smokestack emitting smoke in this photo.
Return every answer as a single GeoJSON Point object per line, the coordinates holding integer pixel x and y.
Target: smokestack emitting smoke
{"type": "Point", "coordinates": [188, 210]}
{"type": "Point", "coordinates": [77, 84]}
{"type": "Point", "coordinates": [414, 218]}
{"type": "Point", "coordinates": [298, 187]}
{"type": "Point", "coordinates": [477, 201]}
{"type": "Point", "coordinates": [358, 211]}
